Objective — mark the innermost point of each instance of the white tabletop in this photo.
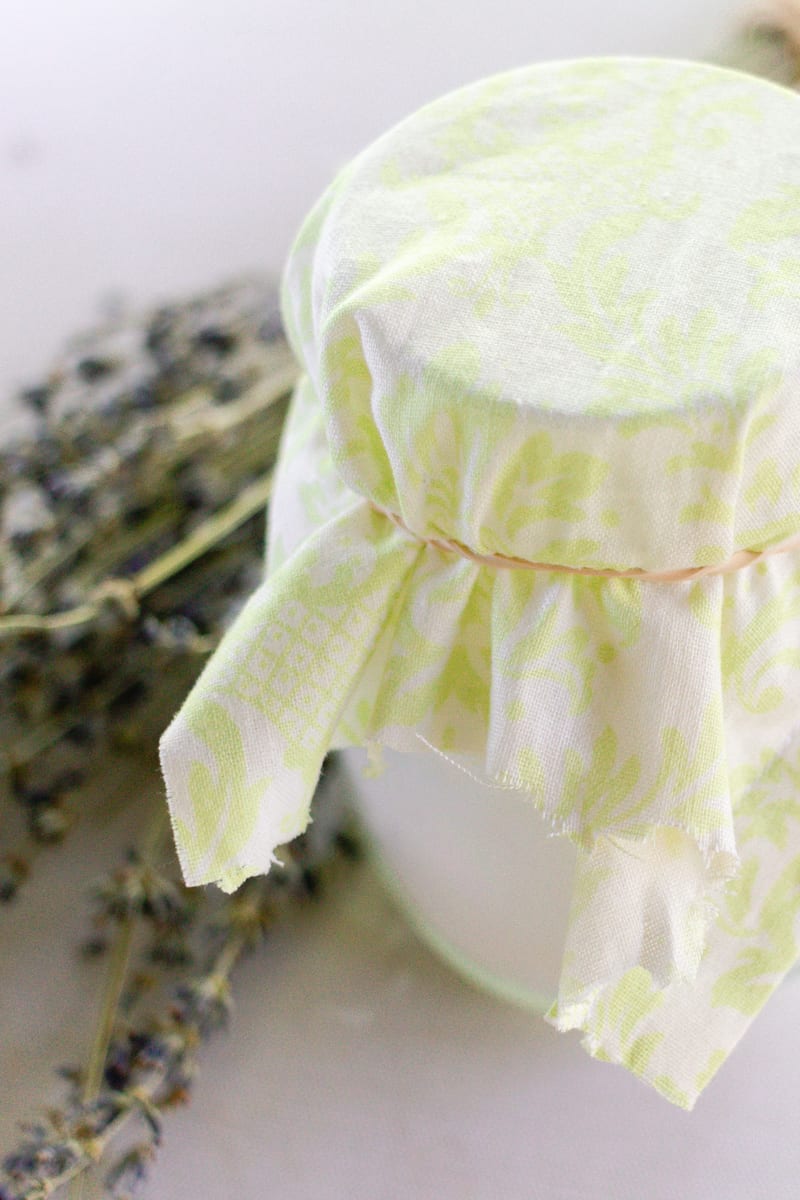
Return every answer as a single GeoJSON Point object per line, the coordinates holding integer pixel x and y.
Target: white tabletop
{"type": "Point", "coordinates": [358, 1067]}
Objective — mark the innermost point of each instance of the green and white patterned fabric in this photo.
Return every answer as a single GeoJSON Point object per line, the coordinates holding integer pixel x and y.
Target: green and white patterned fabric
{"type": "Point", "coordinates": [553, 315]}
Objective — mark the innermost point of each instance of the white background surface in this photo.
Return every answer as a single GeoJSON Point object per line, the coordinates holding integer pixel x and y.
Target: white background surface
{"type": "Point", "coordinates": [359, 1067]}
{"type": "Point", "coordinates": [154, 147]}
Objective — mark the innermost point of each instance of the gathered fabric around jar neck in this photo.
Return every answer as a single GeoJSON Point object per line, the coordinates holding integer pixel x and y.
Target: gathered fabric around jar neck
{"type": "Point", "coordinates": [657, 727]}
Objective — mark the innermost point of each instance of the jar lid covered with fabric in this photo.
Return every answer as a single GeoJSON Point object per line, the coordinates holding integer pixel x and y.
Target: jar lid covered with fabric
{"type": "Point", "coordinates": [538, 507]}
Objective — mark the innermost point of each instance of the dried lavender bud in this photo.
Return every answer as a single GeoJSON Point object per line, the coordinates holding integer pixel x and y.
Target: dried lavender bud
{"type": "Point", "coordinates": [144, 396]}
{"type": "Point", "coordinates": [26, 516]}
{"type": "Point", "coordinates": [33, 798]}
{"type": "Point", "coordinates": [49, 822]}
{"type": "Point", "coordinates": [171, 951]}
{"type": "Point", "coordinates": [41, 1159]}
{"type": "Point", "coordinates": [136, 889]}
{"type": "Point", "coordinates": [192, 611]}
{"type": "Point", "coordinates": [137, 514]}
{"type": "Point", "coordinates": [94, 946]}
{"type": "Point", "coordinates": [127, 1176]}
{"type": "Point", "coordinates": [157, 335]}
{"type": "Point", "coordinates": [227, 390]}
{"type": "Point", "coordinates": [348, 843]}
{"type": "Point", "coordinates": [36, 397]}
{"type": "Point", "coordinates": [172, 632]}
{"type": "Point", "coordinates": [204, 1003]}
{"type": "Point", "coordinates": [81, 734]}
{"type": "Point", "coordinates": [218, 340]}
{"type": "Point", "coordinates": [14, 870]}
{"type": "Point", "coordinates": [133, 694]}
{"type": "Point", "coordinates": [95, 674]}
{"type": "Point", "coordinates": [92, 369]}
{"type": "Point", "coordinates": [117, 1070]}
{"type": "Point", "coordinates": [311, 881]}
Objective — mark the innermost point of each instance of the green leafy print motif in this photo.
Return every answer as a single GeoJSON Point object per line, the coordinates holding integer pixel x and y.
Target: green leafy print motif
{"type": "Point", "coordinates": [358, 450]}
{"type": "Point", "coordinates": [749, 669]}
{"type": "Point", "coordinates": [766, 221]}
{"type": "Point", "coordinates": [533, 640]}
{"type": "Point", "coordinates": [772, 942]}
{"type": "Point", "coordinates": [441, 456]}
{"type": "Point", "coordinates": [607, 795]}
{"type": "Point", "coordinates": [735, 448]}
{"type": "Point", "coordinates": [544, 484]}
{"type": "Point", "coordinates": [768, 799]}
{"type": "Point", "coordinates": [620, 1013]}
{"type": "Point", "coordinates": [613, 611]}
{"type": "Point", "coordinates": [597, 287]}
{"type": "Point", "coordinates": [225, 806]}
{"type": "Point", "coordinates": [444, 451]}
{"type": "Point", "coordinates": [445, 680]}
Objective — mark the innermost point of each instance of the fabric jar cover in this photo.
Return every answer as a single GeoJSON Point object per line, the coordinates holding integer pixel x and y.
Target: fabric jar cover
{"type": "Point", "coordinates": [551, 316]}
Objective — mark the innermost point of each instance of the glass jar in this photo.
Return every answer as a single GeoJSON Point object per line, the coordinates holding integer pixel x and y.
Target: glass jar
{"type": "Point", "coordinates": [475, 867]}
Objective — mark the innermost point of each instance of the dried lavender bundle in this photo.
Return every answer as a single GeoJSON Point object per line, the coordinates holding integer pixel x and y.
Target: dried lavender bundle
{"type": "Point", "coordinates": [171, 954]}
{"type": "Point", "coordinates": [132, 515]}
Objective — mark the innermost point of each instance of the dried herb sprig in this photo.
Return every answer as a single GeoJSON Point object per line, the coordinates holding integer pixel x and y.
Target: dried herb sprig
{"type": "Point", "coordinates": [133, 510]}
{"type": "Point", "coordinates": [143, 1064]}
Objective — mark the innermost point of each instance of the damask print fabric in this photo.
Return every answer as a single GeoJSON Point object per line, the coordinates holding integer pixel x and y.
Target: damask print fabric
{"type": "Point", "coordinates": [552, 315]}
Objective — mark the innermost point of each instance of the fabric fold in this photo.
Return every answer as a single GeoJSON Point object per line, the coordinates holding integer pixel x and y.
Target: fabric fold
{"type": "Point", "coordinates": [676, 1032]}
{"type": "Point", "coordinates": [525, 675]}
{"type": "Point", "coordinates": [522, 671]}
{"type": "Point", "coordinates": [242, 758]}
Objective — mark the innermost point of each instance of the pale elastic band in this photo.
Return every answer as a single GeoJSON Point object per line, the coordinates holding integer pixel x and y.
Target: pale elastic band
{"type": "Point", "coordinates": [742, 558]}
